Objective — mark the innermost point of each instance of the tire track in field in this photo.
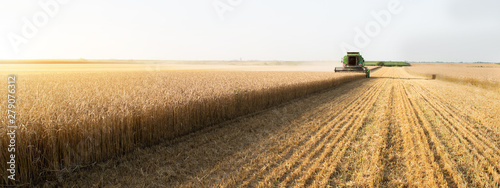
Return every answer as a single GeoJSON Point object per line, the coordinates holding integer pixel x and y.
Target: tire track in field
{"type": "Point", "coordinates": [392, 172]}
{"type": "Point", "coordinates": [339, 125]}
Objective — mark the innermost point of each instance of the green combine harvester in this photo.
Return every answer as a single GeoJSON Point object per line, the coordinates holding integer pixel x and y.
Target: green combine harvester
{"type": "Point", "coordinates": [353, 62]}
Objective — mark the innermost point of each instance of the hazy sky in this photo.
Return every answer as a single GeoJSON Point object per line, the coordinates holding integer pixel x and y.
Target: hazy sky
{"type": "Point", "coordinates": [424, 30]}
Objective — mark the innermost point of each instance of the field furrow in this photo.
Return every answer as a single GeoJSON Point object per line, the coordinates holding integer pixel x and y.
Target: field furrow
{"type": "Point", "coordinates": [394, 166]}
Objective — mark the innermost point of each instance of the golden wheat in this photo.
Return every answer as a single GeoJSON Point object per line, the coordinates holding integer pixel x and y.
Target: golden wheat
{"type": "Point", "coordinates": [71, 120]}
{"type": "Point", "coordinates": [395, 130]}
{"type": "Point", "coordinates": [477, 74]}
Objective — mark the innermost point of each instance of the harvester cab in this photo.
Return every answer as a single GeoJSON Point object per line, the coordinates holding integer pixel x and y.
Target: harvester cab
{"type": "Point", "coordinates": [353, 62]}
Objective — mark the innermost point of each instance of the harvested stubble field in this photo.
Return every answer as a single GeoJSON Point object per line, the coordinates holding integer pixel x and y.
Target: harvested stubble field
{"type": "Point", "coordinates": [69, 120]}
{"type": "Point", "coordinates": [390, 131]}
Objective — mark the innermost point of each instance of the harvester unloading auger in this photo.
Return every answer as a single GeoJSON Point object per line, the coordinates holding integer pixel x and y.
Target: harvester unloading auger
{"type": "Point", "coordinates": [353, 62]}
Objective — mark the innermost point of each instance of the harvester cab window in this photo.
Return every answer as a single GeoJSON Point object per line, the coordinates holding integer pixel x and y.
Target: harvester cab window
{"type": "Point", "coordinates": [353, 60]}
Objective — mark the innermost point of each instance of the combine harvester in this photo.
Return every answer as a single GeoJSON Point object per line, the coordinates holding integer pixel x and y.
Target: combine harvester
{"type": "Point", "coordinates": [353, 62]}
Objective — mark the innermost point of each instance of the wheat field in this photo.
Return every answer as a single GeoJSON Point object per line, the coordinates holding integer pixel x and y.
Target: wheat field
{"type": "Point", "coordinates": [69, 120]}
{"type": "Point", "coordinates": [210, 128]}
{"type": "Point", "coordinates": [393, 130]}
{"type": "Point", "coordinates": [486, 75]}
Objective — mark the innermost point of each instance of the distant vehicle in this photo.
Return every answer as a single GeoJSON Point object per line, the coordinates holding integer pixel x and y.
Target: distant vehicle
{"type": "Point", "coordinates": [353, 62]}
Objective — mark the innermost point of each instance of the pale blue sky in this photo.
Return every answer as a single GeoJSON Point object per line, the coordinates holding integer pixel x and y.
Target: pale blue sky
{"type": "Point", "coordinates": [425, 30]}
